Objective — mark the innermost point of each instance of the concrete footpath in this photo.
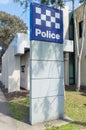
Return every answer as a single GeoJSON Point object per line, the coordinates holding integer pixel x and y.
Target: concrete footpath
{"type": "Point", "coordinates": [43, 126]}
{"type": "Point", "coordinates": [6, 120]}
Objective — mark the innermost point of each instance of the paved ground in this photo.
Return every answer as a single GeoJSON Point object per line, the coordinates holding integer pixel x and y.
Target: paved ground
{"type": "Point", "coordinates": [6, 120]}
{"type": "Point", "coordinates": [8, 123]}
{"type": "Point", "coordinates": [42, 126]}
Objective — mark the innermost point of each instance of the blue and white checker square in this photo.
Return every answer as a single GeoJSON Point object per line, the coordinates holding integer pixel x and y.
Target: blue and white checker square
{"type": "Point", "coordinates": [46, 18]}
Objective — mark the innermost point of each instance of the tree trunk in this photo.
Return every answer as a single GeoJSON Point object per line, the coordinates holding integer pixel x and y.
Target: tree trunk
{"type": "Point", "coordinates": [78, 73]}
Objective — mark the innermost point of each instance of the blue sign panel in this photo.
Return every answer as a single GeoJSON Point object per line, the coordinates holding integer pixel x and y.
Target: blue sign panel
{"type": "Point", "coordinates": [46, 23]}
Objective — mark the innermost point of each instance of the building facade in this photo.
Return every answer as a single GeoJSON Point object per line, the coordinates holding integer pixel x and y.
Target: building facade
{"type": "Point", "coordinates": [79, 24]}
{"type": "Point", "coordinates": [18, 54]}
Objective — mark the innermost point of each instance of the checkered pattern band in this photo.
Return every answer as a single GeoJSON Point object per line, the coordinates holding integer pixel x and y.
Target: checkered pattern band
{"type": "Point", "coordinates": [47, 18]}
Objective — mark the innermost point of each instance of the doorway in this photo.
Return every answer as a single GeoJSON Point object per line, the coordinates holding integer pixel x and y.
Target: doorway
{"type": "Point", "coordinates": [25, 70]}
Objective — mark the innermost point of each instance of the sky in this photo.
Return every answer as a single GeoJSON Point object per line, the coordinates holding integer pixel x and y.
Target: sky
{"type": "Point", "coordinates": [70, 4]}
{"type": "Point", "coordinates": [15, 9]}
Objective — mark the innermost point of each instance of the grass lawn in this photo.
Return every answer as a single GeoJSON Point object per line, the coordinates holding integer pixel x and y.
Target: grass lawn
{"type": "Point", "coordinates": [20, 108]}
{"type": "Point", "coordinates": [75, 108]}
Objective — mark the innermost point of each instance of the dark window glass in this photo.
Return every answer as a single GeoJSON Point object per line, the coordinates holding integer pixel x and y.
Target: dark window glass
{"type": "Point", "coordinates": [80, 28]}
{"type": "Point", "coordinates": [71, 68]}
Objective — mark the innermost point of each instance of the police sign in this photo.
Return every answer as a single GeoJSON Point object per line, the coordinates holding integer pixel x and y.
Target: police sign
{"type": "Point", "coordinates": [46, 23]}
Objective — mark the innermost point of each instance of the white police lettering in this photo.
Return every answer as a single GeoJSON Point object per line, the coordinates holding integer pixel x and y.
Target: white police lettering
{"type": "Point", "coordinates": [47, 34]}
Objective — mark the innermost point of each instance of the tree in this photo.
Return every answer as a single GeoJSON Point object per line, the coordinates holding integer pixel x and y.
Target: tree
{"type": "Point", "coordinates": [9, 26]}
{"type": "Point", "coordinates": [79, 50]}
{"type": "Point", "coordinates": [54, 3]}
{"type": "Point", "coordinates": [25, 3]}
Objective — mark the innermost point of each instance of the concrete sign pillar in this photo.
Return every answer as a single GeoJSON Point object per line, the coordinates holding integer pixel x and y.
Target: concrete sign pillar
{"type": "Point", "coordinates": [46, 65]}
{"type": "Point", "coordinates": [47, 82]}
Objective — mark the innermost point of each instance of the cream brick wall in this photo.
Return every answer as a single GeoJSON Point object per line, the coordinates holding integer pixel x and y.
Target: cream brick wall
{"type": "Point", "coordinates": [65, 21]}
{"type": "Point", "coordinates": [66, 60]}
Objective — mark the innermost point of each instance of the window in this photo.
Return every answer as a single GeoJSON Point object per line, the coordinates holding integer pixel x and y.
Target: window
{"type": "Point", "coordinates": [80, 28]}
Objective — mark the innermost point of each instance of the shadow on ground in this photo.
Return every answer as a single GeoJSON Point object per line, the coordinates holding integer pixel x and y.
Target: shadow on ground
{"type": "Point", "coordinates": [73, 88]}
{"type": "Point", "coordinates": [79, 123]}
